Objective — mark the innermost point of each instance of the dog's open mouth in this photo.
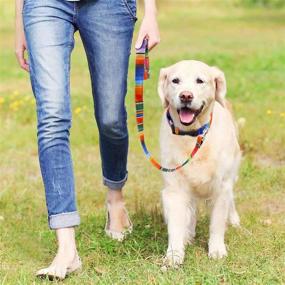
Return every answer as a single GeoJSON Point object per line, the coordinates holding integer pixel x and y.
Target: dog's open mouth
{"type": "Point", "coordinates": [188, 115]}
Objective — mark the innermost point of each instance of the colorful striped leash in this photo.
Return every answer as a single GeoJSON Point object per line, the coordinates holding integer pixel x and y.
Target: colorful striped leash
{"type": "Point", "coordinates": [142, 73]}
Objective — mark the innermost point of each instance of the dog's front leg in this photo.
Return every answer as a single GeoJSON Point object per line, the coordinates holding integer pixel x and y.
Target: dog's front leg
{"type": "Point", "coordinates": [219, 215]}
{"type": "Point", "coordinates": [177, 216]}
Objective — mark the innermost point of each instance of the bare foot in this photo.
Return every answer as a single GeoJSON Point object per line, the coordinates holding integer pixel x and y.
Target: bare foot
{"type": "Point", "coordinates": [66, 260]}
{"type": "Point", "coordinates": [118, 223]}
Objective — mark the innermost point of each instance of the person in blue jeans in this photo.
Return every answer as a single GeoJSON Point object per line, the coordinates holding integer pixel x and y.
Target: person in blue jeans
{"type": "Point", "coordinates": [45, 28]}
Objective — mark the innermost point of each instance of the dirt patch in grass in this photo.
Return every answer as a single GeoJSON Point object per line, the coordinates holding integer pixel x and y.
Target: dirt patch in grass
{"type": "Point", "coordinates": [274, 207]}
{"type": "Point", "coordinates": [267, 161]}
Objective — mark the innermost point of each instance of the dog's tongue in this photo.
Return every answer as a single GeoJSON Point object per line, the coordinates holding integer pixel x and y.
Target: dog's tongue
{"type": "Point", "coordinates": [186, 116]}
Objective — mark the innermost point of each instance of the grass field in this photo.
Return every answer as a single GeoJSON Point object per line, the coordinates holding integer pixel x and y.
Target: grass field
{"type": "Point", "coordinates": [249, 45]}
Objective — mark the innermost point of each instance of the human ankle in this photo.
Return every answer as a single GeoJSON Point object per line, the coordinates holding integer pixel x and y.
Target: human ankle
{"type": "Point", "coordinates": [66, 240]}
{"type": "Point", "coordinates": [115, 196]}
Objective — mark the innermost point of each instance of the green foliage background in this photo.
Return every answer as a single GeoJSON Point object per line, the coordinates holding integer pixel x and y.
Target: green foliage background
{"type": "Point", "coordinates": [264, 3]}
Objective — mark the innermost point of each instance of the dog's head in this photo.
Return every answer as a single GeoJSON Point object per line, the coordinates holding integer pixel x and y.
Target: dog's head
{"type": "Point", "coordinates": [189, 88]}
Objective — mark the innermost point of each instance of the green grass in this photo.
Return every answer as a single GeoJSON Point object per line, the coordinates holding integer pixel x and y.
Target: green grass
{"type": "Point", "coordinates": [249, 45]}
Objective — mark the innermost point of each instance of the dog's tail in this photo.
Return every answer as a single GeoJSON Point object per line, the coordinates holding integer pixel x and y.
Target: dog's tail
{"type": "Point", "coordinates": [241, 122]}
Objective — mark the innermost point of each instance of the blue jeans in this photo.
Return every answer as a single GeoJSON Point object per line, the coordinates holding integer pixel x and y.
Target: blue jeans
{"type": "Point", "coordinates": [106, 29]}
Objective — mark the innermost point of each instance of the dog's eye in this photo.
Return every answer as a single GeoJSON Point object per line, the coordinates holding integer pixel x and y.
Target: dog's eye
{"type": "Point", "coordinates": [199, 81]}
{"type": "Point", "coordinates": [176, 80]}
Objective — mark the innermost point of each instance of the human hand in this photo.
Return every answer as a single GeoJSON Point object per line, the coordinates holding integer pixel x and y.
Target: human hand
{"type": "Point", "coordinates": [148, 29]}
{"type": "Point", "coordinates": [20, 48]}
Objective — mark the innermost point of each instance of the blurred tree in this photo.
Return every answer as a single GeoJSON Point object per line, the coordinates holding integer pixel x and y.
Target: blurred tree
{"type": "Point", "coordinates": [262, 3]}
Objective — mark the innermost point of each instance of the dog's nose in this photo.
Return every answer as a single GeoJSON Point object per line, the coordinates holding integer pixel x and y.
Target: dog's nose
{"type": "Point", "coordinates": [186, 97]}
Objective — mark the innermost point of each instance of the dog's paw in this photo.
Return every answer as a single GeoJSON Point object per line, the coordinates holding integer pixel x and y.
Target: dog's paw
{"type": "Point", "coordinates": [217, 250]}
{"type": "Point", "coordinates": [173, 258]}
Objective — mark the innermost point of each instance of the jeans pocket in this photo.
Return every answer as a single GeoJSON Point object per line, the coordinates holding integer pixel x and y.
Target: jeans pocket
{"type": "Point", "coordinates": [131, 7]}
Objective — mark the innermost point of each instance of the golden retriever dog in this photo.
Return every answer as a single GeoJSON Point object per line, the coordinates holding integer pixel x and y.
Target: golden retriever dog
{"type": "Point", "coordinates": [191, 91]}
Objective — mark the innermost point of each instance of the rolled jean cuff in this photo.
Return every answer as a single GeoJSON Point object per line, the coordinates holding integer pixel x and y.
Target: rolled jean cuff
{"type": "Point", "coordinates": [64, 220]}
{"type": "Point", "coordinates": [115, 185]}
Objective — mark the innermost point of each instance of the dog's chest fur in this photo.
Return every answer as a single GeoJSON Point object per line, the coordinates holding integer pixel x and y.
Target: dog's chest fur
{"type": "Point", "coordinates": [200, 174]}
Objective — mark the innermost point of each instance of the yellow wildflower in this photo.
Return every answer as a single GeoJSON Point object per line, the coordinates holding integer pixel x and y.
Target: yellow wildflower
{"type": "Point", "coordinates": [77, 110]}
{"type": "Point", "coordinates": [14, 106]}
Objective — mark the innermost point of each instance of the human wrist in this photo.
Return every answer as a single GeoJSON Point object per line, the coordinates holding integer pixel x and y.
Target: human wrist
{"type": "Point", "coordinates": [19, 28]}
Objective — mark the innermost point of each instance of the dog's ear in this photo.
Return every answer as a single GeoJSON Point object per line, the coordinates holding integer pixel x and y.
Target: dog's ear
{"type": "Point", "coordinates": [161, 86]}
{"type": "Point", "coordinates": [220, 85]}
